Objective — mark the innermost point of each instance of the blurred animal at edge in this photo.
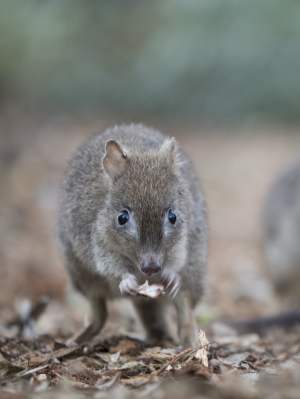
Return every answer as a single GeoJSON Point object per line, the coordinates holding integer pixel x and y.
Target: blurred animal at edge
{"type": "Point", "coordinates": [281, 224]}
{"type": "Point", "coordinates": [281, 250]}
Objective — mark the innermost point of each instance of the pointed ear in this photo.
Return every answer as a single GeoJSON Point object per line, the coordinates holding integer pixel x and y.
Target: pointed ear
{"type": "Point", "coordinates": [115, 159]}
{"type": "Point", "coordinates": [169, 150]}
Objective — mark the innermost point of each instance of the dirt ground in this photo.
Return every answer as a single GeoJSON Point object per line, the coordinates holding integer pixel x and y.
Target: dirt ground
{"type": "Point", "coordinates": [236, 170]}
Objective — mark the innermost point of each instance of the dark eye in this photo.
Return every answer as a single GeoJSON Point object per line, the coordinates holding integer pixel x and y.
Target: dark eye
{"type": "Point", "coordinates": [123, 217]}
{"type": "Point", "coordinates": [171, 216]}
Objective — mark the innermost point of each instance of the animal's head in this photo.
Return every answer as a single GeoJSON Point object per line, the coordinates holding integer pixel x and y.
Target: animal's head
{"type": "Point", "coordinates": [146, 205]}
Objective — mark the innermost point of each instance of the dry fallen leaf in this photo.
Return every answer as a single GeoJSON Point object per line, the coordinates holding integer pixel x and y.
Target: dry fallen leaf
{"type": "Point", "coordinates": [151, 291]}
{"type": "Point", "coordinates": [202, 352]}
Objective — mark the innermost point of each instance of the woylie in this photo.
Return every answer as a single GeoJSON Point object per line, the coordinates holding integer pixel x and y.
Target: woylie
{"type": "Point", "coordinates": [132, 211]}
{"type": "Point", "coordinates": [281, 232]}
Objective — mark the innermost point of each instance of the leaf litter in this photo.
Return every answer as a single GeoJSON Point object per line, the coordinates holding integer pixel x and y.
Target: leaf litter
{"type": "Point", "coordinates": [233, 365]}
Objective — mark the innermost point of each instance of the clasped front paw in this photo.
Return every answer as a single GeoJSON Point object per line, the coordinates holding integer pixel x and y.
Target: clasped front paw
{"type": "Point", "coordinates": [172, 282]}
{"type": "Point", "coordinates": [129, 285]}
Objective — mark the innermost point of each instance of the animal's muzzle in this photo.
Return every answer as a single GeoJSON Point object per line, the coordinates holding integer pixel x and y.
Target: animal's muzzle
{"type": "Point", "coordinates": [150, 265]}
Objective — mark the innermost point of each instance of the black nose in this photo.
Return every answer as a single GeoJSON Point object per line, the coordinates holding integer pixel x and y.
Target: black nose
{"type": "Point", "coordinates": [150, 268]}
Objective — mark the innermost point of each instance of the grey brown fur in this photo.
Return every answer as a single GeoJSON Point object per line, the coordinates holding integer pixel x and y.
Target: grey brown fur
{"type": "Point", "coordinates": [281, 216]}
{"type": "Point", "coordinates": [138, 168]}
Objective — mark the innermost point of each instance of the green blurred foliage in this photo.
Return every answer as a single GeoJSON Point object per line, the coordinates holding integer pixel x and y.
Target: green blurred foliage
{"type": "Point", "coordinates": [208, 60]}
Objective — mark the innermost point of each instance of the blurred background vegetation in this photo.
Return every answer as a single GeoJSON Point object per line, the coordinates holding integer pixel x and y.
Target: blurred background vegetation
{"type": "Point", "coordinates": [198, 60]}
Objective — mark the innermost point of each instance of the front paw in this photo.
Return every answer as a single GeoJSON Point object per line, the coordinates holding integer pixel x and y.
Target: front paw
{"type": "Point", "coordinates": [172, 282]}
{"type": "Point", "coordinates": [129, 285]}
